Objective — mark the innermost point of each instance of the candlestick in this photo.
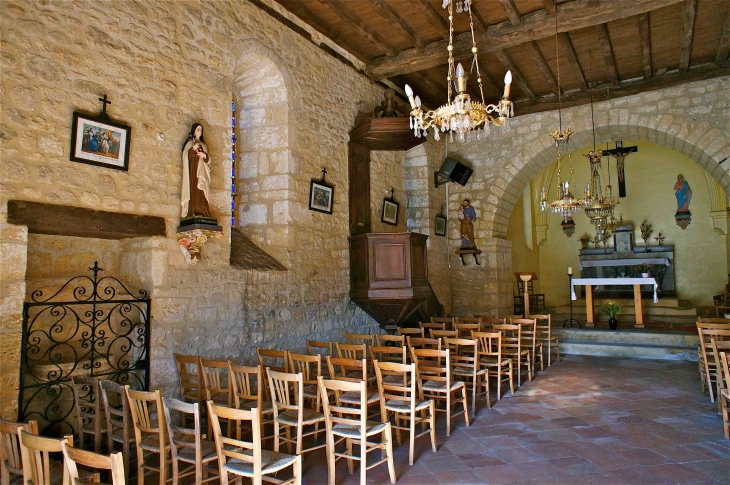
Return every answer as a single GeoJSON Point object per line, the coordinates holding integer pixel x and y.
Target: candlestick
{"type": "Point", "coordinates": [570, 270]}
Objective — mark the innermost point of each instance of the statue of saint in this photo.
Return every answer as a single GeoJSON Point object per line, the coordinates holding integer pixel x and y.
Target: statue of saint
{"type": "Point", "coordinates": [467, 216]}
{"type": "Point", "coordinates": [196, 175]}
{"type": "Point", "coordinates": [683, 193]}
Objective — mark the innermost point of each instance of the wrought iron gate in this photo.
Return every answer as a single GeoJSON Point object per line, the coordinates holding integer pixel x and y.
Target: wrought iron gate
{"type": "Point", "coordinates": [89, 327]}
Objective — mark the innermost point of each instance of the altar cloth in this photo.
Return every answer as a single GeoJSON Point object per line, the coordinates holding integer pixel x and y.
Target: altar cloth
{"type": "Point", "coordinates": [612, 282]}
{"type": "Point", "coordinates": [622, 262]}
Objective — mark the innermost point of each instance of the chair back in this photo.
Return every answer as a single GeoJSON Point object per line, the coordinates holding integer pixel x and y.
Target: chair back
{"type": "Point", "coordinates": [309, 366]}
{"type": "Point", "coordinates": [444, 334]}
{"type": "Point", "coordinates": [490, 346]}
{"type": "Point", "coordinates": [10, 460]}
{"type": "Point", "coordinates": [718, 347]}
{"type": "Point", "coordinates": [230, 449]}
{"type": "Point", "coordinates": [396, 382]}
{"type": "Point", "coordinates": [389, 353]}
{"type": "Point", "coordinates": [713, 320]}
{"type": "Point", "coordinates": [360, 338]}
{"type": "Point", "coordinates": [706, 337]}
{"type": "Point", "coordinates": [447, 321]}
{"type": "Point", "coordinates": [118, 418]}
{"type": "Point", "coordinates": [216, 380]}
{"type": "Point", "coordinates": [424, 343]}
{"type": "Point", "coordinates": [432, 326]}
{"type": "Point", "coordinates": [465, 329]}
{"type": "Point", "coordinates": [287, 389]}
{"type": "Point", "coordinates": [724, 369]}
{"type": "Point", "coordinates": [382, 339]}
{"type": "Point", "coordinates": [511, 339]}
{"type": "Point", "coordinates": [432, 365]}
{"type": "Point", "coordinates": [464, 354]}
{"type": "Point", "coordinates": [188, 372]}
{"type": "Point", "coordinates": [320, 347]}
{"type": "Point", "coordinates": [508, 318]}
{"type": "Point", "coordinates": [88, 406]}
{"type": "Point", "coordinates": [183, 439]}
{"type": "Point", "coordinates": [74, 456]}
{"type": "Point", "coordinates": [344, 369]}
{"type": "Point", "coordinates": [35, 451]}
{"type": "Point", "coordinates": [344, 414]}
{"type": "Point", "coordinates": [148, 415]}
{"type": "Point", "coordinates": [273, 359]}
{"type": "Point", "coordinates": [542, 326]}
{"type": "Point", "coordinates": [411, 331]}
{"type": "Point", "coordinates": [529, 331]}
{"type": "Point", "coordinates": [489, 322]}
{"type": "Point", "coordinates": [351, 351]}
{"type": "Point", "coordinates": [246, 384]}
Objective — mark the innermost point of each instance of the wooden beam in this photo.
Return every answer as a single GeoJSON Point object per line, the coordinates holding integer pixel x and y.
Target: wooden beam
{"type": "Point", "coordinates": [688, 27]}
{"type": "Point", "coordinates": [387, 12]}
{"type": "Point", "coordinates": [519, 79]}
{"type": "Point", "coordinates": [536, 25]}
{"type": "Point", "coordinates": [625, 88]}
{"type": "Point", "coordinates": [436, 20]}
{"type": "Point", "coordinates": [510, 9]}
{"type": "Point", "coordinates": [542, 65]}
{"type": "Point", "coordinates": [549, 6]}
{"type": "Point", "coordinates": [61, 220]}
{"type": "Point", "coordinates": [723, 50]}
{"type": "Point", "coordinates": [566, 47]}
{"type": "Point", "coordinates": [645, 34]}
{"type": "Point", "coordinates": [489, 81]}
{"type": "Point", "coordinates": [479, 17]}
{"type": "Point", "coordinates": [360, 25]}
{"type": "Point", "coordinates": [605, 43]}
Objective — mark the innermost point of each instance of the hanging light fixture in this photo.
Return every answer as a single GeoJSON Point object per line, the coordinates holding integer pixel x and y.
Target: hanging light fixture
{"type": "Point", "coordinates": [461, 116]}
{"type": "Point", "coordinates": [565, 204]}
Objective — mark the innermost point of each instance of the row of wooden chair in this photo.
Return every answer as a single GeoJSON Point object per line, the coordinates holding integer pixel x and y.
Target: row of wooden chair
{"type": "Point", "coordinates": [713, 347]}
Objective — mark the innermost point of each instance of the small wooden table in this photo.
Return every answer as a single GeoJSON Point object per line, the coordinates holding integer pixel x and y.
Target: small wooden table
{"type": "Point", "coordinates": [589, 283]}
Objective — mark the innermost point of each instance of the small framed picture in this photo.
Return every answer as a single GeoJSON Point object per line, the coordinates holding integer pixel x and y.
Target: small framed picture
{"type": "Point", "coordinates": [440, 227]}
{"type": "Point", "coordinates": [321, 196]}
{"type": "Point", "coordinates": [390, 212]}
{"type": "Point", "coordinates": [100, 141]}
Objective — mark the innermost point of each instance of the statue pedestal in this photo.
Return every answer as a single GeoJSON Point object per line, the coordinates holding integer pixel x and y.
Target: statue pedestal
{"type": "Point", "coordinates": [193, 233]}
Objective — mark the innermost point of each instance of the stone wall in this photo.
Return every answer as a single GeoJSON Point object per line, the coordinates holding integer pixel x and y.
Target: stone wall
{"type": "Point", "coordinates": [387, 170]}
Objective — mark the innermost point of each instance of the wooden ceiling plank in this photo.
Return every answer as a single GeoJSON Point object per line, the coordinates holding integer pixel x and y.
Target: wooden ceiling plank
{"type": "Point", "coordinates": [605, 44]}
{"type": "Point", "coordinates": [645, 34]}
{"type": "Point", "coordinates": [489, 81]}
{"type": "Point", "coordinates": [577, 14]}
{"type": "Point", "coordinates": [550, 7]}
{"type": "Point", "coordinates": [510, 9]}
{"type": "Point", "coordinates": [542, 65]}
{"type": "Point", "coordinates": [723, 50]}
{"type": "Point", "coordinates": [688, 27]}
{"type": "Point", "coordinates": [359, 24]}
{"type": "Point", "coordinates": [566, 47]}
{"type": "Point", "coordinates": [436, 20]}
{"type": "Point", "coordinates": [479, 17]}
{"type": "Point", "coordinates": [384, 9]}
{"type": "Point", "coordinates": [519, 79]}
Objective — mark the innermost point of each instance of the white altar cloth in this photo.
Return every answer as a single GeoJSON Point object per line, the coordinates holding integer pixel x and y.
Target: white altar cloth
{"type": "Point", "coordinates": [622, 262]}
{"type": "Point", "coordinates": [614, 282]}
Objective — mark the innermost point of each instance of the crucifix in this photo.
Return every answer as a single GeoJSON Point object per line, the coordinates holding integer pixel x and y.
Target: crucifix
{"type": "Point", "coordinates": [619, 153]}
{"type": "Point", "coordinates": [103, 107]}
{"type": "Point", "coordinates": [324, 172]}
{"type": "Point", "coordinates": [392, 194]}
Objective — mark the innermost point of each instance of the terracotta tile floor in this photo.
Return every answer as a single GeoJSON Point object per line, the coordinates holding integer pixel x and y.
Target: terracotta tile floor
{"type": "Point", "coordinates": [583, 420]}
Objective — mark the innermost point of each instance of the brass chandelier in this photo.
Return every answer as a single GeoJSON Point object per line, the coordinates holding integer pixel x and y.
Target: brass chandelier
{"type": "Point", "coordinates": [461, 115]}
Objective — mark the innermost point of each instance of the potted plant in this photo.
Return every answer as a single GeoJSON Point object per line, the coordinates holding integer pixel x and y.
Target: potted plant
{"type": "Point", "coordinates": [643, 269]}
{"type": "Point", "coordinates": [611, 309]}
{"type": "Point", "coordinates": [584, 240]}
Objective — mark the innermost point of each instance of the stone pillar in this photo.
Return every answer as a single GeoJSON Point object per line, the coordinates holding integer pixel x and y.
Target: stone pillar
{"type": "Point", "coordinates": [487, 287]}
{"type": "Point", "coordinates": [14, 257]}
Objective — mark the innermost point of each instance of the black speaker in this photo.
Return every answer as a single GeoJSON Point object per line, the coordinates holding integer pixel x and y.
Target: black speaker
{"type": "Point", "coordinates": [455, 171]}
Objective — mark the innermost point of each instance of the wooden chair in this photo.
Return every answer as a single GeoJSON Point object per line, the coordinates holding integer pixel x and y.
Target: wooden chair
{"type": "Point", "coordinates": [513, 349]}
{"type": "Point", "coordinates": [246, 458]}
{"type": "Point", "coordinates": [427, 326]}
{"type": "Point", "coordinates": [466, 367]}
{"type": "Point", "coordinates": [353, 370]}
{"type": "Point", "coordinates": [447, 321]}
{"type": "Point", "coordinates": [216, 385]}
{"type": "Point", "coordinates": [464, 330]}
{"type": "Point", "coordinates": [719, 346]}
{"type": "Point", "coordinates": [187, 444]}
{"type": "Point", "coordinates": [287, 390]}
{"type": "Point", "coordinates": [507, 318]}
{"type": "Point", "coordinates": [424, 343]}
{"type": "Point", "coordinates": [89, 413]}
{"type": "Point", "coordinates": [489, 321]}
{"type": "Point", "coordinates": [490, 356]}
{"type": "Point", "coordinates": [118, 419]}
{"type": "Point", "coordinates": [247, 389]}
{"type": "Point", "coordinates": [708, 331]}
{"type": "Point", "coordinates": [273, 359]}
{"type": "Point", "coordinates": [360, 338]}
{"type": "Point", "coordinates": [398, 389]}
{"type": "Point", "coordinates": [716, 323]}
{"type": "Point", "coordinates": [725, 396]}
{"type": "Point", "coordinates": [351, 351]}
{"type": "Point", "coordinates": [150, 431]}
{"type": "Point", "coordinates": [11, 463]}
{"type": "Point", "coordinates": [433, 368]}
{"type": "Point", "coordinates": [529, 341]}
{"type": "Point", "coordinates": [348, 423]}
{"type": "Point", "coordinates": [38, 468]}
{"type": "Point", "coordinates": [310, 367]}
{"type": "Point", "coordinates": [545, 336]}
{"type": "Point", "coordinates": [389, 354]}
{"type": "Point", "coordinates": [411, 332]}
{"type": "Point", "coordinates": [190, 380]}
{"type": "Point", "coordinates": [322, 348]}
{"type": "Point", "coordinates": [444, 334]}
{"type": "Point", "coordinates": [382, 340]}
{"type": "Point", "coordinates": [74, 456]}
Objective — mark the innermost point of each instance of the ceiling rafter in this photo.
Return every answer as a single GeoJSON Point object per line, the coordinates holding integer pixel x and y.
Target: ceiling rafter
{"type": "Point", "coordinates": [688, 27]}
{"type": "Point", "coordinates": [435, 19]}
{"type": "Point", "coordinates": [645, 35]}
{"type": "Point", "coordinates": [566, 47]}
{"type": "Point", "coordinates": [723, 50]}
{"type": "Point", "coordinates": [519, 79]}
{"type": "Point", "coordinates": [542, 65]}
{"type": "Point", "coordinates": [577, 14]}
{"type": "Point", "coordinates": [605, 43]}
{"type": "Point", "coordinates": [387, 12]}
{"type": "Point", "coordinates": [359, 24]}
{"type": "Point", "coordinates": [510, 9]}
{"type": "Point", "coordinates": [479, 17]}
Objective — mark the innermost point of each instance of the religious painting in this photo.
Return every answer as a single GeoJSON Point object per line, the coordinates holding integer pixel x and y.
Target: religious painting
{"type": "Point", "coordinates": [390, 212]}
{"type": "Point", "coordinates": [440, 227]}
{"type": "Point", "coordinates": [100, 141]}
{"type": "Point", "coordinates": [321, 196]}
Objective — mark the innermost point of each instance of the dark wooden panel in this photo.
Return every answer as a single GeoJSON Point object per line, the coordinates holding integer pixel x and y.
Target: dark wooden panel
{"type": "Point", "coordinates": [389, 262]}
{"type": "Point", "coordinates": [61, 220]}
{"type": "Point", "coordinates": [359, 178]}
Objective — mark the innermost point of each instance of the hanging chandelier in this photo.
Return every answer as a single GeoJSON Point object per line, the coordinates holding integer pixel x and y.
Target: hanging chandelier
{"type": "Point", "coordinates": [461, 115]}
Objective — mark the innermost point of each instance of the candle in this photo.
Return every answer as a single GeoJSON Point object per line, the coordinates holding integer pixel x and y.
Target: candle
{"type": "Point", "coordinates": [570, 270]}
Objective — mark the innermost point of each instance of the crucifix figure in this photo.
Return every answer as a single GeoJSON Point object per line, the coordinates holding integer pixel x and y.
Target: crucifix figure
{"type": "Point", "coordinates": [103, 107]}
{"type": "Point", "coordinates": [324, 172]}
{"type": "Point", "coordinates": [392, 194]}
{"type": "Point", "coordinates": [619, 153]}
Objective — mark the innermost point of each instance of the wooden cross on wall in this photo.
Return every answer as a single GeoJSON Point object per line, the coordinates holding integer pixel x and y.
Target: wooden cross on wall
{"type": "Point", "coordinates": [619, 153]}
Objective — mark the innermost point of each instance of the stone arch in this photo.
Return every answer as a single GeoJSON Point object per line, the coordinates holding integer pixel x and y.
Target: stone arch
{"type": "Point", "coordinates": [263, 93]}
{"type": "Point", "coordinates": [697, 141]}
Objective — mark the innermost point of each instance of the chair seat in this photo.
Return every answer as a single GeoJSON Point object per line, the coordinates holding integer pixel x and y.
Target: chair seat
{"type": "Point", "coordinates": [441, 386]}
{"type": "Point", "coordinates": [354, 398]}
{"type": "Point", "coordinates": [309, 417]}
{"type": "Point", "coordinates": [266, 406]}
{"type": "Point", "coordinates": [119, 436]}
{"type": "Point", "coordinates": [493, 362]}
{"type": "Point", "coordinates": [221, 399]}
{"type": "Point", "coordinates": [271, 461]}
{"type": "Point", "coordinates": [190, 396]}
{"type": "Point", "coordinates": [208, 452]}
{"type": "Point", "coordinates": [89, 428]}
{"type": "Point", "coordinates": [461, 371]}
{"type": "Point", "coordinates": [349, 431]}
{"type": "Point", "coordinates": [152, 443]}
{"type": "Point", "coordinates": [310, 391]}
{"type": "Point", "coordinates": [404, 407]}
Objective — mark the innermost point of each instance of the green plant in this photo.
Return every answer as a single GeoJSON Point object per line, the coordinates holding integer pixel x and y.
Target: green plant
{"type": "Point", "coordinates": [610, 309]}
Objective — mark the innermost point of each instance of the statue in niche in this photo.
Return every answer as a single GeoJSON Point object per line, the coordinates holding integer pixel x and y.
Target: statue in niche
{"type": "Point", "coordinates": [195, 195]}
{"type": "Point", "coordinates": [467, 216]}
{"type": "Point", "coordinates": [683, 193]}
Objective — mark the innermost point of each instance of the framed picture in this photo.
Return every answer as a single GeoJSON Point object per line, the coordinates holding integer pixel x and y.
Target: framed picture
{"type": "Point", "coordinates": [321, 196]}
{"type": "Point", "coordinates": [100, 141]}
{"type": "Point", "coordinates": [390, 212]}
{"type": "Point", "coordinates": [440, 227]}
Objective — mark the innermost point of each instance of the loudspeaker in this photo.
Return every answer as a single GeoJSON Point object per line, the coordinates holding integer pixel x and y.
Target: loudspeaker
{"type": "Point", "coordinates": [454, 171]}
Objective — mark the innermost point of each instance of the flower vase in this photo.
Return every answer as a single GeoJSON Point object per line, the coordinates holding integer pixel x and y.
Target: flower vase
{"type": "Point", "coordinates": [644, 275]}
{"type": "Point", "coordinates": [612, 323]}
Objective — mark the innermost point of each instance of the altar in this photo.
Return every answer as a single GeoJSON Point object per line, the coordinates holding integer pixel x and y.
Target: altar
{"type": "Point", "coordinates": [635, 283]}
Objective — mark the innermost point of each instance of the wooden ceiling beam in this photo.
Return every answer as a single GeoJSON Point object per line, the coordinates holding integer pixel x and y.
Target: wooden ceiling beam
{"type": "Point", "coordinates": [605, 44]}
{"type": "Point", "coordinates": [550, 7]}
{"type": "Point", "coordinates": [359, 24]}
{"type": "Point", "coordinates": [542, 65]}
{"type": "Point", "coordinates": [436, 20]}
{"type": "Point", "coordinates": [688, 27]}
{"type": "Point", "coordinates": [480, 18]}
{"type": "Point", "coordinates": [645, 35]}
{"type": "Point", "coordinates": [566, 47]}
{"type": "Point", "coordinates": [387, 12]}
{"type": "Point", "coordinates": [519, 79]}
{"type": "Point", "coordinates": [577, 14]}
{"type": "Point", "coordinates": [489, 81]}
{"type": "Point", "coordinates": [723, 50]}
{"type": "Point", "coordinates": [510, 9]}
